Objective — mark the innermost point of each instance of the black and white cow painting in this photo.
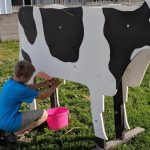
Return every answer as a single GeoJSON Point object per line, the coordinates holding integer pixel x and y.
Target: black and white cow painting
{"type": "Point", "coordinates": [91, 45]}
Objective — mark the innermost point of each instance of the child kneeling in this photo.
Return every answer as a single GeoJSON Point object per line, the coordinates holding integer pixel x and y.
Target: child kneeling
{"type": "Point", "coordinates": [14, 92]}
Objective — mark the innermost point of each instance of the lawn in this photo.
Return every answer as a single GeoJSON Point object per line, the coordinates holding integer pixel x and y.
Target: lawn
{"type": "Point", "coordinates": [79, 135]}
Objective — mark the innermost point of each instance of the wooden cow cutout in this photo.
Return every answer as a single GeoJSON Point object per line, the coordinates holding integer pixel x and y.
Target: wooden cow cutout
{"type": "Point", "coordinates": [89, 45]}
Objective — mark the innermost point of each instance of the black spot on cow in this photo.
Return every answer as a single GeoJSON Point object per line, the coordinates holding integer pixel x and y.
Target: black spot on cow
{"type": "Point", "coordinates": [27, 21]}
{"type": "Point", "coordinates": [63, 30]}
{"type": "Point", "coordinates": [26, 56]}
{"type": "Point", "coordinates": [125, 31]}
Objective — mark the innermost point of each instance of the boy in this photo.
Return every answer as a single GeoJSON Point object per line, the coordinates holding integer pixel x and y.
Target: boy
{"type": "Point", "coordinates": [14, 92]}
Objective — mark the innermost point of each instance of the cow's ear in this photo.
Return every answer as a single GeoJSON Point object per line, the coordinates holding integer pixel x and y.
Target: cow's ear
{"type": "Point", "coordinates": [26, 19]}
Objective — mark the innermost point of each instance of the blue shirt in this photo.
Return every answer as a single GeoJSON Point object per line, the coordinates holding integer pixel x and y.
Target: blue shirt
{"type": "Point", "coordinates": [12, 95]}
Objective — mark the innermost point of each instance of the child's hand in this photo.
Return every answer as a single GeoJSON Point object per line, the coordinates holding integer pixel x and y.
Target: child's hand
{"type": "Point", "coordinates": [55, 82]}
{"type": "Point", "coordinates": [48, 83]}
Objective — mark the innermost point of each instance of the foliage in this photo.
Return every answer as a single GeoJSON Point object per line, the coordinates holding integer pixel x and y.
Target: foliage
{"type": "Point", "coordinates": [79, 135]}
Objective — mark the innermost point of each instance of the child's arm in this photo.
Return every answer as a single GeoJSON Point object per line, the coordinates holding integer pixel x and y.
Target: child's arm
{"type": "Point", "coordinates": [46, 93]}
{"type": "Point", "coordinates": [41, 84]}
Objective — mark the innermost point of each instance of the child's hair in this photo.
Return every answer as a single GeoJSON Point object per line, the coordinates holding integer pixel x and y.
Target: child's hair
{"type": "Point", "coordinates": [24, 68]}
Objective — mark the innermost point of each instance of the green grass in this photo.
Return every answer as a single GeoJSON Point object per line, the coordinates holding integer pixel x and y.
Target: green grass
{"type": "Point", "coordinates": [79, 135]}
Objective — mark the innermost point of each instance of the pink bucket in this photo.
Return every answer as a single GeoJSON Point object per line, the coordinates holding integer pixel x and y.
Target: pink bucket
{"type": "Point", "coordinates": [57, 118]}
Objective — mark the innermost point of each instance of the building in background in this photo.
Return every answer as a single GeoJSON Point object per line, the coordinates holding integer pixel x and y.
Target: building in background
{"type": "Point", "coordinates": [30, 2]}
{"type": "Point", "coordinates": [21, 2]}
{"type": "Point", "coordinates": [5, 7]}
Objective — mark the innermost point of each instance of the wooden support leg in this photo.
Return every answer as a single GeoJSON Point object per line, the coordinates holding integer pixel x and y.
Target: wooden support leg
{"type": "Point", "coordinates": [54, 99]}
{"type": "Point", "coordinates": [101, 143]}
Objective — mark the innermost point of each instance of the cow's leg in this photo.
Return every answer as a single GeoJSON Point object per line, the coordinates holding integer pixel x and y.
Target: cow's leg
{"type": "Point", "coordinates": [133, 76]}
{"type": "Point", "coordinates": [125, 98]}
{"type": "Point", "coordinates": [97, 109]}
{"type": "Point", "coordinates": [119, 113]}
